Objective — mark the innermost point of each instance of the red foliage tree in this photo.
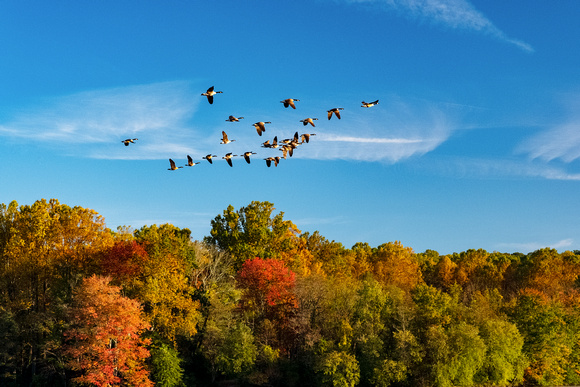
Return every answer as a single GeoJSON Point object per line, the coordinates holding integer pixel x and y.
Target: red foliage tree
{"type": "Point", "coordinates": [269, 286]}
{"type": "Point", "coordinates": [124, 261]}
{"type": "Point", "coordinates": [104, 343]}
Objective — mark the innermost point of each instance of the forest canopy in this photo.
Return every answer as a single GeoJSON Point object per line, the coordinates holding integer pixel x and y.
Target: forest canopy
{"type": "Point", "coordinates": [260, 302]}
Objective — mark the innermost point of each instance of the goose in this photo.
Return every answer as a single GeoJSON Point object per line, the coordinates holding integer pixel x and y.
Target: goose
{"type": "Point", "coordinates": [275, 142]}
{"type": "Point", "coordinates": [210, 93]}
{"type": "Point", "coordinates": [306, 137]}
{"type": "Point", "coordinates": [190, 162]}
{"type": "Point", "coordinates": [369, 104]}
{"type": "Point", "coordinates": [225, 139]}
{"type": "Point", "coordinates": [172, 166]}
{"type": "Point", "coordinates": [287, 150]}
{"type": "Point", "coordinates": [129, 141]}
{"type": "Point", "coordinates": [234, 119]}
{"type": "Point", "coordinates": [309, 120]}
{"type": "Point", "coordinates": [247, 156]}
{"type": "Point", "coordinates": [209, 158]}
{"type": "Point", "coordinates": [289, 102]}
{"type": "Point", "coordinates": [261, 126]}
{"type": "Point", "coordinates": [336, 112]}
{"type": "Point", "coordinates": [228, 158]}
{"type": "Point", "coordinates": [269, 160]}
{"type": "Point", "coordinates": [266, 144]}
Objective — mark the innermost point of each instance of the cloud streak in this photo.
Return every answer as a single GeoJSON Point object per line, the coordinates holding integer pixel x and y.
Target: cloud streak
{"type": "Point", "coordinates": [499, 168]}
{"type": "Point", "coordinates": [404, 130]}
{"type": "Point", "coordinates": [92, 123]}
{"type": "Point", "coordinates": [456, 14]}
{"type": "Point", "coordinates": [533, 246]}
{"type": "Point", "coordinates": [559, 141]}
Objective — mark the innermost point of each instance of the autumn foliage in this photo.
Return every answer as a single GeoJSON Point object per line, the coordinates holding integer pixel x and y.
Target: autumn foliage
{"type": "Point", "coordinates": [268, 283]}
{"type": "Point", "coordinates": [104, 343]}
{"type": "Point", "coordinates": [258, 302]}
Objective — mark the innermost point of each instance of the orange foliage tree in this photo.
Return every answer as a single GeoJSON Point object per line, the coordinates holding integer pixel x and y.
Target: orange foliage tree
{"type": "Point", "coordinates": [124, 261]}
{"type": "Point", "coordinates": [269, 299]}
{"type": "Point", "coordinates": [268, 283]}
{"type": "Point", "coordinates": [104, 344]}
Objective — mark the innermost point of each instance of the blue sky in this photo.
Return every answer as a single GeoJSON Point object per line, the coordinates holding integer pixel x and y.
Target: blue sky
{"type": "Point", "coordinates": [475, 142]}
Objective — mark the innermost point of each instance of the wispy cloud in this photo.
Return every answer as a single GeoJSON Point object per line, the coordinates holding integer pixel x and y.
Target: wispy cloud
{"type": "Point", "coordinates": [403, 130]}
{"type": "Point", "coordinates": [458, 14]}
{"type": "Point", "coordinates": [92, 123]}
{"type": "Point", "coordinates": [498, 168]}
{"type": "Point", "coordinates": [561, 140]}
{"type": "Point", "coordinates": [533, 246]}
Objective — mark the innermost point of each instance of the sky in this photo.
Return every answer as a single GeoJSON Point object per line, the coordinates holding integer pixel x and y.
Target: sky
{"type": "Point", "coordinates": [475, 142]}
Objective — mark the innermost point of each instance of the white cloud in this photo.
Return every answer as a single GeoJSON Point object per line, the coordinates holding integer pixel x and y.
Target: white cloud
{"type": "Point", "coordinates": [395, 132]}
{"type": "Point", "coordinates": [499, 168]}
{"type": "Point", "coordinates": [459, 14]}
{"type": "Point", "coordinates": [561, 140]}
{"type": "Point", "coordinates": [525, 248]}
{"type": "Point", "coordinates": [93, 123]}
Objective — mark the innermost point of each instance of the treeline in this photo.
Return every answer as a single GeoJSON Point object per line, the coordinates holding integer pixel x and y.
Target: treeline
{"type": "Point", "coordinates": [257, 302]}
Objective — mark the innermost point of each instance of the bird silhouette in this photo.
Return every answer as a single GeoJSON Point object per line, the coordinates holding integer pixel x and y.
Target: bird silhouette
{"type": "Point", "coordinates": [369, 104]}
{"type": "Point", "coordinates": [225, 139]}
{"type": "Point", "coordinates": [172, 166]}
{"type": "Point", "coordinates": [210, 93]}
{"type": "Point", "coordinates": [336, 112]}
{"type": "Point", "coordinates": [287, 150]}
{"type": "Point", "coordinates": [129, 141]}
{"type": "Point", "coordinates": [306, 137]}
{"type": "Point", "coordinates": [190, 162]}
{"type": "Point", "coordinates": [269, 160]}
{"type": "Point", "coordinates": [247, 156]}
{"type": "Point", "coordinates": [228, 158]}
{"type": "Point", "coordinates": [209, 158]}
{"type": "Point", "coordinates": [261, 126]}
{"type": "Point", "coordinates": [289, 102]}
{"type": "Point", "coordinates": [309, 120]}
{"type": "Point", "coordinates": [234, 119]}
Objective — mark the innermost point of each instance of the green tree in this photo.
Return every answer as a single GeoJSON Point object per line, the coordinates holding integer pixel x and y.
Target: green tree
{"type": "Point", "coordinates": [504, 360]}
{"type": "Point", "coordinates": [339, 369]}
{"type": "Point", "coordinates": [166, 370]}
{"type": "Point", "coordinates": [455, 355]}
{"type": "Point", "coordinates": [547, 340]}
{"type": "Point", "coordinates": [166, 290]}
{"type": "Point", "coordinates": [252, 231]}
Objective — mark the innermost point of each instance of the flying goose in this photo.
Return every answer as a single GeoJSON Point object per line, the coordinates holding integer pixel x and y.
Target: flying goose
{"type": "Point", "coordinates": [247, 156]}
{"type": "Point", "coordinates": [369, 104]}
{"type": "Point", "coordinates": [289, 102]}
{"type": "Point", "coordinates": [269, 160]}
{"type": "Point", "coordinates": [129, 141]}
{"type": "Point", "coordinates": [172, 166]}
{"type": "Point", "coordinates": [261, 126]}
{"type": "Point", "coordinates": [225, 139]}
{"type": "Point", "coordinates": [336, 112]}
{"type": "Point", "coordinates": [190, 162]}
{"type": "Point", "coordinates": [209, 158]}
{"type": "Point", "coordinates": [306, 137]}
{"type": "Point", "coordinates": [234, 119]}
{"type": "Point", "coordinates": [287, 150]}
{"type": "Point", "coordinates": [309, 120]}
{"type": "Point", "coordinates": [210, 93]}
{"type": "Point", "coordinates": [228, 158]}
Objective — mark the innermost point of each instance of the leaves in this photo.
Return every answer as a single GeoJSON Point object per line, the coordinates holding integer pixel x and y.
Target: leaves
{"type": "Point", "coordinates": [104, 343]}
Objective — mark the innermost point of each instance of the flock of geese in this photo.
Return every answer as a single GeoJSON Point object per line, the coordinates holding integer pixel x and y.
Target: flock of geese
{"type": "Point", "coordinates": [286, 146]}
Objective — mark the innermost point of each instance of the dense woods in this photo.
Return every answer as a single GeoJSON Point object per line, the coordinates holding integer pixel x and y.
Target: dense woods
{"type": "Point", "coordinates": [258, 302]}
